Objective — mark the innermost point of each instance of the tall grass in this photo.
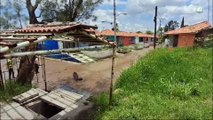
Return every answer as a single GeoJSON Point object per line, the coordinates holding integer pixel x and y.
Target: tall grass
{"type": "Point", "coordinates": [12, 89]}
{"type": "Point", "coordinates": [166, 84]}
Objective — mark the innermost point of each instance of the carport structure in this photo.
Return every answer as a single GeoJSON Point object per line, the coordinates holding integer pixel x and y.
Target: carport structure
{"type": "Point", "coordinates": [12, 42]}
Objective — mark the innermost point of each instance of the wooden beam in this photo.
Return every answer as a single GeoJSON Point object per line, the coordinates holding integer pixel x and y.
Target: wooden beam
{"type": "Point", "coordinates": [46, 52]}
{"type": "Point", "coordinates": [97, 38]}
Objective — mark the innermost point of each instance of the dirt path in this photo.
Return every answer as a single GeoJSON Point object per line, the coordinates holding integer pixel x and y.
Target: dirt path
{"type": "Point", "coordinates": [96, 76]}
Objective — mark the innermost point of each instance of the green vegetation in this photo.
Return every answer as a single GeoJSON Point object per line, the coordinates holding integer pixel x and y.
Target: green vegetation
{"type": "Point", "coordinates": [124, 50]}
{"type": "Point", "coordinates": [166, 84]}
{"type": "Point", "coordinates": [12, 89]}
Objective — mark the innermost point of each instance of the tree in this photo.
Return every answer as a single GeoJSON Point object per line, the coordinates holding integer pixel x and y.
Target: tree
{"type": "Point", "coordinates": [139, 32]}
{"type": "Point", "coordinates": [171, 25]}
{"type": "Point", "coordinates": [160, 31]}
{"type": "Point", "coordinates": [17, 4]}
{"type": "Point", "coordinates": [149, 32]}
{"type": "Point", "coordinates": [65, 10]}
{"type": "Point", "coordinates": [12, 12]}
{"type": "Point", "coordinates": [6, 18]}
{"type": "Point", "coordinates": [182, 23]}
{"type": "Point", "coordinates": [68, 10]}
{"type": "Point", "coordinates": [31, 11]}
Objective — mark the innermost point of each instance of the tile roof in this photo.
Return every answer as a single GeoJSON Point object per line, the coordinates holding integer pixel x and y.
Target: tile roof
{"type": "Point", "coordinates": [123, 34]}
{"type": "Point", "coordinates": [60, 28]}
{"type": "Point", "coordinates": [54, 28]}
{"type": "Point", "coordinates": [190, 29]}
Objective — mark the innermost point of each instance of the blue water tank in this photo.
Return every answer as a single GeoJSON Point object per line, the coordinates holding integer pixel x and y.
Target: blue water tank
{"type": "Point", "coordinates": [48, 45]}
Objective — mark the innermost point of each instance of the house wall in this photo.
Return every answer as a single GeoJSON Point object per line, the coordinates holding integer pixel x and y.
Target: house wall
{"type": "Point", "coordinates": [83, 44]}
{"type": "Point", "coordinates": [136, 40]}
{"type": "Point", "coordinates": [126, 41]}
{"type": "Point", "coordinates": [60, 45]}
{"type": "Point", "coordinates": [186, 40]}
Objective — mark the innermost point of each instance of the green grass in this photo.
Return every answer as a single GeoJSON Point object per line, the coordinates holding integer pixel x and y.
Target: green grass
{"type": "Point", "coordinates": [165, 84]}
{"type": "Point", "coordinates": [12, 89]}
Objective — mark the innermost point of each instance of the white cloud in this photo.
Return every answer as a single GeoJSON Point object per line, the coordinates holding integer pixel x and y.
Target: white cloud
{"type": "Point", "coordinates": [110, 2]}
{"type": "Point", "coordinates": [141, 12]}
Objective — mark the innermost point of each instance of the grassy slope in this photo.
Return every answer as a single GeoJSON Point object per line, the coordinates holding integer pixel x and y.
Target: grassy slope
{"type": "Point", "coordinates": [164, 85]}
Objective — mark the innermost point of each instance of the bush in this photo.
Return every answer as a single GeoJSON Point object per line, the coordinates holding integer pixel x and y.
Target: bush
{"type": "Point", "coordinates": [124, 50]}
{"type": "Point", "coordinates": [12, 89]}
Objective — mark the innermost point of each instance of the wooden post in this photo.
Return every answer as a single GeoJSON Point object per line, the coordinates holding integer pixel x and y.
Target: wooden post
{"type": "Point", "coordinates": [44, 70]}
{"type": "Point", "coordinates": [1, 78]}
{"type": "Point", "coordinates": [155, 20]}
{"type": "Point", "coordinates": [112, 75]}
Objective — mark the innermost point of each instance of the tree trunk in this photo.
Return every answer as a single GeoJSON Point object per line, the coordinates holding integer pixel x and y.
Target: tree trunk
{"type": "Point", "coordinates": [26, 67]}
{"type": "Point", "coordinates": [26, 70]}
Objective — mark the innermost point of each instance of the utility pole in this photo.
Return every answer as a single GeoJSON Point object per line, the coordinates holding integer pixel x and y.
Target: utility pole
{"type": "Point", "coordinates": [155, 20]}
{"type": "Point", "coordinates": [208, 10]}
{"type": "Point", "coordinates": [212, 12]}
{"type": "Point", "coordinates": [113, 56]}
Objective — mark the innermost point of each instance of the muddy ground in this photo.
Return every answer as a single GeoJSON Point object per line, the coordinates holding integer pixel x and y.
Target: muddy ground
{"type": "Point", "coordinates": [96, 76]}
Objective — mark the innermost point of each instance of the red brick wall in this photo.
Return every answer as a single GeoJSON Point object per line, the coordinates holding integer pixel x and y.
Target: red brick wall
{"type": "Point", "coordinates": [186, 40]}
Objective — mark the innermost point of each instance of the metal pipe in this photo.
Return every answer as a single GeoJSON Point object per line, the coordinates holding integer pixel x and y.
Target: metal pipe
{"type": "Point", "coordinates": [45, 52]}
{"type": "Point", "coordinates": [23, 44]}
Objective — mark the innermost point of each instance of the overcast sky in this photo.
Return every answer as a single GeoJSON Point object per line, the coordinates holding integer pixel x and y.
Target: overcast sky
{"type": "Point", "coordinates": [140, 13]}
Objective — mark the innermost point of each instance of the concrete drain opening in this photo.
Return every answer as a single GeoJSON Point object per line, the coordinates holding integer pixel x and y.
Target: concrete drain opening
{"type": "Point", "coordinates": [43, 108]}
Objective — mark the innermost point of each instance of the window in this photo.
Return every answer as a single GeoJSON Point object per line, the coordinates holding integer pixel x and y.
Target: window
{"type": "Point", "coordinates": [140, 39]}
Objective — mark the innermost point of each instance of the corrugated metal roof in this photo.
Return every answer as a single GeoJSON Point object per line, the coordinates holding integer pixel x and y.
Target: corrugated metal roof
{"type": "Point", "coordinates": [190, 29]}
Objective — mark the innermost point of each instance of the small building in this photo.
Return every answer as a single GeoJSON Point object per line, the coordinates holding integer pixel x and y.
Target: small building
{"type": "Point", "coordinates": [186, 36]}
{"type": "Point", "coordinates": [127, 38]}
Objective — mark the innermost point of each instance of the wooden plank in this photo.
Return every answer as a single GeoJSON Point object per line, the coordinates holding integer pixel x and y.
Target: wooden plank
{"type": "Point", "coordinates": [7, 107]}
{"type": "Point", "coordinates": [14, 115]}
{"type": "Point", "coordinates": [54, 102]}
{"type": "Point", "coordinates": [25, 96]}
{"type": "Point", "coordinates": [62, 113]}
{"type": "Point", "coordinates": [68, 96]}
{"type": "Point", "coordinates": [24, 112]}
{"type": "Point", "coordinates": [4, 116]}
{"type": "Point", "coordinates": [65, 96]}
{"type": "Point", "coordinates": [75, 95]}
{"type": "Point", "coordinates": [60, 99]}
{"type": "Point", "coordinates": [14, 104]}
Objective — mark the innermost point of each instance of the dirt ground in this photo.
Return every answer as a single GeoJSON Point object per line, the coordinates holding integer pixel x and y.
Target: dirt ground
{"type": "Point", "coordinates": [96, 76]}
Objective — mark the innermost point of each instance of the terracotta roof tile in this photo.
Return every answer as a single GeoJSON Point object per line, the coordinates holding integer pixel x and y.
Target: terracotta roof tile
{"type": "Point", "coordinates": [123, 34]}
{"type": "Point", "coordinates": [190, 29]}
{"type": "Point", "coordinates": [46, 29]}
